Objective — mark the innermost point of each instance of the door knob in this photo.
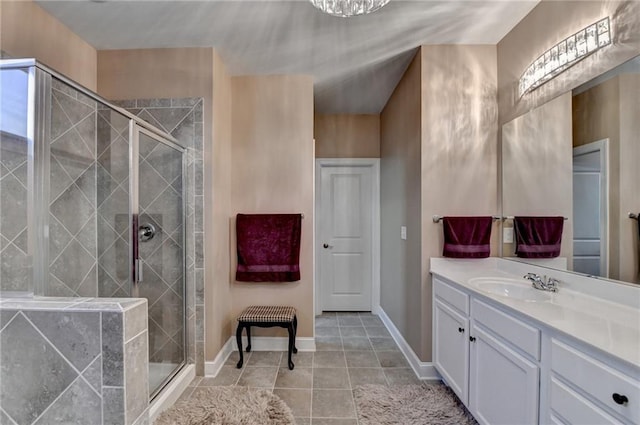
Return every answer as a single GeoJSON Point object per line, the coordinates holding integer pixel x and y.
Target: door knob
{"type": "Point", "coordinates": [620, 399]}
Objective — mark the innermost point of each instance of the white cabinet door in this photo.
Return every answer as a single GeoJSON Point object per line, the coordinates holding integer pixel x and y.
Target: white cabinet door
{"type": "Point", "coordinates": [503, 385]}
{"type": "Point", "coordinates": [451, 348]}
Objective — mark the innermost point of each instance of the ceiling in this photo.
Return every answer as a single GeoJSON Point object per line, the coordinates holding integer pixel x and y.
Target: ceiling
{"type": "Point", "coordinates": [356, 62]}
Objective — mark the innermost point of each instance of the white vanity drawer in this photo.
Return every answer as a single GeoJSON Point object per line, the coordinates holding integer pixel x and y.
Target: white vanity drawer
{"type": "Point", "coordinates": [597, 380]}
{"type": "Point", "coordinates": [575, 409]}
{"type": "Point", "coordinates": [520, 334]}
{"type": "Point", "coordinates": [451, 295]}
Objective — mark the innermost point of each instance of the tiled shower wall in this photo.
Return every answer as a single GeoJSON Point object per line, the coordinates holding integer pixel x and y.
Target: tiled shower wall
{"type": "Point", "coordinates": [73, 255]}
{"type": "Point", "coordinates": [16, 266]}
{"type": "Point", "coordinates": [80, 361]}
{"type": "Point", "coordinates": [183, 119]}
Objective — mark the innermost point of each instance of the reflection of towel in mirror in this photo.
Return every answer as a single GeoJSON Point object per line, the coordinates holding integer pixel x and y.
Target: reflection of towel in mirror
{"type": "Point", "coordinates": [467, 237]}
{"type": "Point", "coordinates": [538, 237]}
{"type": "Point", "coordinates": [268, 247]}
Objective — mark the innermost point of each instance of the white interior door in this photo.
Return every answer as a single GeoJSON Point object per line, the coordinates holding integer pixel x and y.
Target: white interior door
{"type": "Point", "coordinates": [590, 209]}
{"type": "Point", "coordinates": [345, 205]}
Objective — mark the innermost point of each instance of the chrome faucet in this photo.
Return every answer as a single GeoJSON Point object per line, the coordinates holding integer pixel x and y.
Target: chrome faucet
{"type": "Point", "coordinates": [543, 283]}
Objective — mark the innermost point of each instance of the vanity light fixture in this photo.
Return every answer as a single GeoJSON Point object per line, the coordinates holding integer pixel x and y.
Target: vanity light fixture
{"type": "Point", "coordinates": [347, 8]}
{"type": "Point", "coordinates": [565, 54]}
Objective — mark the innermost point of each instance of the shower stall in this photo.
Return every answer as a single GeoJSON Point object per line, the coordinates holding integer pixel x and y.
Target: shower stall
{"type": "Point", "coordinates": [92, 205]}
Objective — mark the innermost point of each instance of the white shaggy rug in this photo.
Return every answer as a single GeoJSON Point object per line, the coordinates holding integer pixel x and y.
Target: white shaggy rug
{"type": "Point", "coordinates": [427, 404]}
{"type": "Point", "coordinates": [228, 406]}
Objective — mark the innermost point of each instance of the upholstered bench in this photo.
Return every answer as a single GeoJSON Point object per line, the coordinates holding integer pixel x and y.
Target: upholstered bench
{"type": "Point", "coordinates": [265, 317]}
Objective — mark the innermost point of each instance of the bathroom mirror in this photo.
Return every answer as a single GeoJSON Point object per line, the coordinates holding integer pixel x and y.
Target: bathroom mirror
{"type": "Point", "coordinates": [578, 156]}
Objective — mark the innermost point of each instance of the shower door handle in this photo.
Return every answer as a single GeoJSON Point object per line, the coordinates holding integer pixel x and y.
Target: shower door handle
{"type": "Point", "coordinates": [139, 275]}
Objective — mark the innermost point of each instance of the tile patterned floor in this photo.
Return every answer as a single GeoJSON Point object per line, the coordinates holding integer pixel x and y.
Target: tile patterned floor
{"type": "Point", "coordinates": [351, 349]}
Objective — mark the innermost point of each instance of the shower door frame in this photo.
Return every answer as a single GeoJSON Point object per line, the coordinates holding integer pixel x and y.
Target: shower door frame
{"type": "Point", "coordinates": [134, 210]}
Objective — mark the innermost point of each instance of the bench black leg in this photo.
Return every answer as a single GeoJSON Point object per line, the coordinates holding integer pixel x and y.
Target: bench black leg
{"type": "Point", "coordinates": [248, 338]}
{"type": "Point", "coordinates": [295, 333]}
{"type": "Point", "coordinates": [292, 337]}
{"type": "Point", "coordinates": [239, 341]}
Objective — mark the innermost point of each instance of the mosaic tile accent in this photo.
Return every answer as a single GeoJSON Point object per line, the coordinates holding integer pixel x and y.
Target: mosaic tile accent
{"type": "Point", "coordinates": [65, 362]}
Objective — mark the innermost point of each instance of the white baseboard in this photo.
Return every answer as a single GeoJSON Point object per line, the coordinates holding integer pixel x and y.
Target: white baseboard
{"type": "Point", "coordinates": [423, 370]}
{"type": "Point", "coordinates": [258, 343]}
{"type": "Point", "coordinates": [170, 394]}
{"type": "Point", "coordinates": [211, 369]}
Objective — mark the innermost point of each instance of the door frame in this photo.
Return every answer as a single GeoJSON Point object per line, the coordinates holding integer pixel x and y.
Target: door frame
{"type": "Point", "coordinates": [601, 146]}
{"type": "Point", "coordinates": [374, 164]}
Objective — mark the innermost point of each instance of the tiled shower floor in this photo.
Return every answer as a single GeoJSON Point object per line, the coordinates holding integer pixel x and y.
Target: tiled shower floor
{"type": "Point", "coordinates": [351, 349]}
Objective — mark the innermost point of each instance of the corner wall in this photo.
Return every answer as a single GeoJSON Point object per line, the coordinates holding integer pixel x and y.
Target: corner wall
{"type": "Point", "coordinates": [272, 171]}
{"type": "Point", "coordinates": [28, 31]}
{"type": "Point", "coordinates": [400, 193]}
{"type": "Point", "coordinates": [176, 73]}
{"type": "Point", "coordinates": [217, 212]}
{"type": "Point", "coordinates": [459, 149]}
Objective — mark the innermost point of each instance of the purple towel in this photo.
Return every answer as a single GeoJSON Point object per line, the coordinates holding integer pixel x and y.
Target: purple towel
{"type": "Point", "coordinates": [467, 237]}
{"type": "Point", "coordinates": [268, 247]}
{"type": "Point", "coordinates": [538, 237]}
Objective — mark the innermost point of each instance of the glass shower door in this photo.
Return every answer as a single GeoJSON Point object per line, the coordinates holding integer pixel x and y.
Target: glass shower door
{"type": "Point", "coordinates": [158, 252]}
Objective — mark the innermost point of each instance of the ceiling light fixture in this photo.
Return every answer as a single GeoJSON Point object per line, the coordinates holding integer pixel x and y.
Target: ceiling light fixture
{"type": "Point", "coordinates": [347, 8]}
{"type": "Point", "coordinates": [567, 53]}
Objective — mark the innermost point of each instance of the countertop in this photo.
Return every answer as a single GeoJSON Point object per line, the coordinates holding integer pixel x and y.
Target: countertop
{"type": "Point", "coordinates": [607, 325]}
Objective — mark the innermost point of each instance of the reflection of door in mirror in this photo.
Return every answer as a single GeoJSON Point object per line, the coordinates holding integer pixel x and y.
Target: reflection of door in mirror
{"type": "Point", "coordinates": [590, 211]}
{"type": "Point", "coordinates": [609, 108]}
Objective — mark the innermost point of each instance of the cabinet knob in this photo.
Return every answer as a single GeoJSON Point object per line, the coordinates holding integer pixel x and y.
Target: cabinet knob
{"type": "Point", "coordinates": [460, 330]}
{"type": "Point", "coordinates": [619, 398]}
{"type": "Point", "coordinates": [472, 338]}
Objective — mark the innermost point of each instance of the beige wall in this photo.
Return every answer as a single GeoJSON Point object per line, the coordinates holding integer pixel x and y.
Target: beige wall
{"type": "Point", "coordinates": [28, 31]}
{"type": "Point", "coordinates": [459, 148]}
{"type": "Point", "coordinates": [217, 213]}
{"type": "Point", "coordinates": [400, 182]}
{"type": "Point", "coordinates": [547, 24]}
{"type": "Point", "coordinates": [347, 136]}
{"type": "Point", "coordinates": [537, 161]}
{"type": "Point", "coordinates": [156, 73]}
{"type": "Point", "coordinates": [272, 163]}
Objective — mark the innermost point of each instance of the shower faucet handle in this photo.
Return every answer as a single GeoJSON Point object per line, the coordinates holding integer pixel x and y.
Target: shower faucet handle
{"type": "Point", "coordinates": [146, 232]}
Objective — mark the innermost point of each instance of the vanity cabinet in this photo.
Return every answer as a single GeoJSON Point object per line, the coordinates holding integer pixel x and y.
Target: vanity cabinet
{"type": "Point", "coordinates": [451, 348]}
{"type": "Point", "coordinates": [586, 390]}
{"type": "Point", "coordinates": [504, 374]}
{"type": "Point", "coordinates": [489, 359]}
{"type": "Point", "coordinates": [508, 369]}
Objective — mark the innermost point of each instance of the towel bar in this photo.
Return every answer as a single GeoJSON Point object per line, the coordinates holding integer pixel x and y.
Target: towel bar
{"type": "Point", "coordinates": [438, 218]}
{"type": "Point", "coordinates": [510, 217]}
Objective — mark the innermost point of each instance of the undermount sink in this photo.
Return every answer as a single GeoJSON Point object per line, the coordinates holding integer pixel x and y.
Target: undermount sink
{"type": "Point", "coordinates": [510, 288]}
